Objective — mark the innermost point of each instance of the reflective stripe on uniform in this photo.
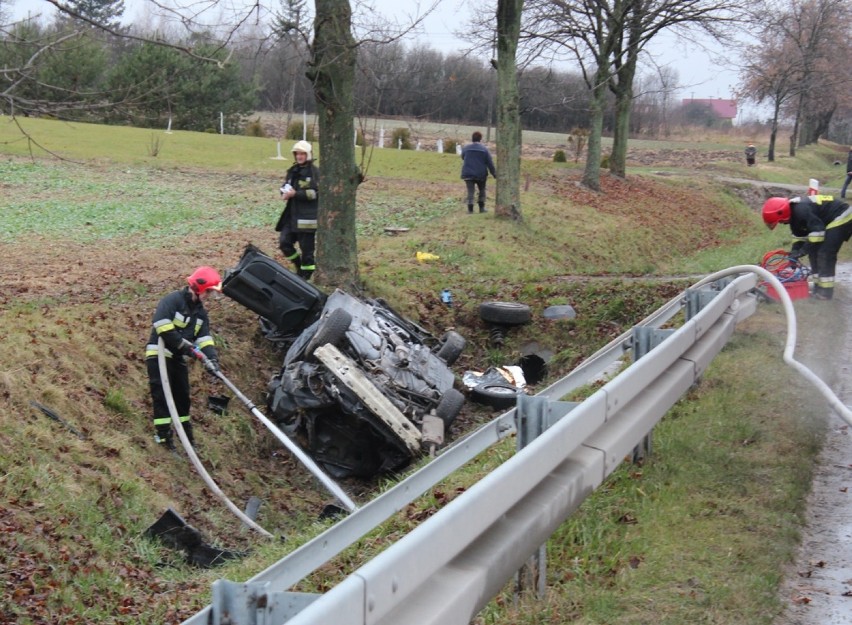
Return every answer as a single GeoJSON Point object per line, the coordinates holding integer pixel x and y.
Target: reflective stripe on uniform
{"type": "Point", "coordinates": [292, 256]}
{"type": "Point", "coordinates": [151, 350]}
{"type": "Point", "coordinates": [204, 341]}
{"type": "Point", "coordinates": [311, 194]}
{"type": "Point", "coordinates": [180, 320]}
{"type": "Point", "coordinates": [826, 282]}
{"type": "Point", "coordinates": [168, 420]}
{"type": "Point", "coordinates": [306, 224]}
{"type": "Point", "coordinates": [164, 325]}
{"type": "Point", "coordinates": [844, 218]}
{"type": "Point", "coordinates": [816, 237]}
{"type": "Point", "coordinates": [309, 267]}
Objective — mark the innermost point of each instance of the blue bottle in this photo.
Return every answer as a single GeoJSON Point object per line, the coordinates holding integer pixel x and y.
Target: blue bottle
{"type": "Point", "coordinates": [447, 297]}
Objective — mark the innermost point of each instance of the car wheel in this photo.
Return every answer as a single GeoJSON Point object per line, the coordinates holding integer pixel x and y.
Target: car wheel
{"type": "Point", "coordinates": [449, 407]}
{"type": "Point", "coordinates": [331, 330]}
{"type": "Point", "coordinates": [495, 395]}
{"type": "Point", "coordinates": [505, 313]}
{"type": "Point", "coordinates": [452, 345]}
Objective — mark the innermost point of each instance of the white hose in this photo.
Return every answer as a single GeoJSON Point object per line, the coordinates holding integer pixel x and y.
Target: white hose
{"type": "Point", "coordinates": [167, 389]}
{"type": "Point", "coordinates": [841, 409]}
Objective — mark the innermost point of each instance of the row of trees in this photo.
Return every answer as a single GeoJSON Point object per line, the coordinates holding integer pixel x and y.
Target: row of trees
{"type": "Point", "coordinates": [281, 58]}
{"type": "Point", "coordinates": [800, 67]}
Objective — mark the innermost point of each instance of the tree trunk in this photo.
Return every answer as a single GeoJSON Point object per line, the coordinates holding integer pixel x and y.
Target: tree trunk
{"type": "Point", "coordinates": [508, 110]}
{"type": "Point", "coordinates": [776, 111]}
{"type": "Point", "coordinates": [795, 134]}
{"type": "Point", "coordinates": [332, 72]}
{"type": "Point", "coordinates": [592, 171]}
{"type": "Point", "coordinates": [623, 103]}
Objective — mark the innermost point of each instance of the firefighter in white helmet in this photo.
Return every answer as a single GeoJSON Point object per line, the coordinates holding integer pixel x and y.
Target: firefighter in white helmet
{"type": "Point", "coordinates": [298, 222]}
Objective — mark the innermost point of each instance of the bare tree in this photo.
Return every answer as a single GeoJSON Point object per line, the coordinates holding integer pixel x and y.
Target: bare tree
{"type": "Point", "coordinates": [606, 38]}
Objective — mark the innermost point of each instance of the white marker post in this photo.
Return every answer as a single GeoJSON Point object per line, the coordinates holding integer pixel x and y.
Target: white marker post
{"type": "Point", "coordinates": [169, 128]}
{"type": "Point", "coordinates": [221, 123]}
{"type": "Point", "coordinates": [279, 157]}
{"type": "Point", "coordinates": [382, 137]}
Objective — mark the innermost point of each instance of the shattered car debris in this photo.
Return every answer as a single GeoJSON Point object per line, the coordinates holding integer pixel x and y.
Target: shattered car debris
{"type": "Point", "coordinates": [359, 384]}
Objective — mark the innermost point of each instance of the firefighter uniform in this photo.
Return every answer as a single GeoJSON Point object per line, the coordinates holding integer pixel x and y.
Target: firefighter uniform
{"type": "Point", "coordinates": [298, 221]}
{"type": "Point", "coordinates": [179, 315]}
{"type": "Point", "coordinates": [820, 226]}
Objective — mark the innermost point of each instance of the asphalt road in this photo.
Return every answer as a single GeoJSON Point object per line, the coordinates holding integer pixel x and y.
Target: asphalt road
{"type": "Point", "coordinates": [817, 589]}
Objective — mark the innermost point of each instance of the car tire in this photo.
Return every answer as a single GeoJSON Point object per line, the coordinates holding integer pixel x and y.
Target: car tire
{"type": "Point", "coordinates": [449, 407]}
{"type": "Point", "coordinates": [331, 330]}
{"type": "Point", "coordinates": [505, 313]}
{"type": "Point", "coordinates": [495, 395]}
{"type": "Point", "coordinates": [452, 345]}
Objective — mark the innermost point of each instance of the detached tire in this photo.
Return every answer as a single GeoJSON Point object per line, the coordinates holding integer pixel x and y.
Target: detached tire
{"type": "Point", "coordinates": [449, 407]}
{"type": "Point", "coordinates": [452, 345]}
{"type": "Point", "coordinates": [505, 313]}
{"type": "Point", "coordinates": [495, 395]}
{"type": "Point", "coordinates": [331, 330]}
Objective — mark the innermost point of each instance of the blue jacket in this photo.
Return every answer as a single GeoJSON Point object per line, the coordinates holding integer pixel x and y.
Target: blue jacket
{"type": "Point", "coordinates": [477, 162]}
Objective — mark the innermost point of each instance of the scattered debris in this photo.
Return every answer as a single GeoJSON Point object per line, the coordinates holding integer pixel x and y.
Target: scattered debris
{"type": "Point", "coordinates": [50, 413]}
{"type": "Point", "coordinates": [175, 533]}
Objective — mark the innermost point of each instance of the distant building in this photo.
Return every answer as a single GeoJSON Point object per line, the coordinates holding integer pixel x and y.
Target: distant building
{"type": "Point", "coordinates": [725, 111]}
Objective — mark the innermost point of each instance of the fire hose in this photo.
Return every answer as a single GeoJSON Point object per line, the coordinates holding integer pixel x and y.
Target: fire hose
{"type": "Point", "coordinates": [306, 460]}
{"type": "Point", "coordinates": [190, 452]}
{"type": "Point", "coordinates": [790, 346]}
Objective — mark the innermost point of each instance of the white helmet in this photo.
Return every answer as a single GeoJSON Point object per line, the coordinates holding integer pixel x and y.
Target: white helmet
{"type": "Point", "coordinates": [303, 146]}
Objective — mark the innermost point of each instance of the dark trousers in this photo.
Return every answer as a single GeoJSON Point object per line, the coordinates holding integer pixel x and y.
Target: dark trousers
{"type": "Point", "coordinates": [178, 374]}
{"type": "Point", "coordinates": [845, 185]}
{"type": "Point", "coordinates": [304, 257]}
{"type": "Point", "coordinates": [473, 185]}
{"type": "Point", "coordinates": [825, 259]}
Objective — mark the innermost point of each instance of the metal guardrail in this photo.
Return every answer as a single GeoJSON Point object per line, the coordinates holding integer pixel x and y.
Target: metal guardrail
{"type": "Point", "coordinates": [451, 565]}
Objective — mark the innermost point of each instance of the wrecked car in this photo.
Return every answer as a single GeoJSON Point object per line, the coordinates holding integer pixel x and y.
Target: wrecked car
{"type": "Point", "coordinates": [364, 388]}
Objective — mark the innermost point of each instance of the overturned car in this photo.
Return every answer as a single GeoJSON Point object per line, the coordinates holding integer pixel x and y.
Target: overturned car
{"type": "Point", "coordinates": [365, 389]}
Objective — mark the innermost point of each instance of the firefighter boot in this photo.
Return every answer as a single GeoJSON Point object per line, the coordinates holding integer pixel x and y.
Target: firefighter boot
{"type": "Point", "coordinates": [305, 274]}
{"type": "Point", "coordinates": [482, 208]}
{"type": "Point", "coordinates": [187, 429]}
{"type": "Point", "coordinates": [163, 437]}
{"type": "Point", "coordinates": [823, 293]}
{"type": "Point", "coordinates": [470, 209]}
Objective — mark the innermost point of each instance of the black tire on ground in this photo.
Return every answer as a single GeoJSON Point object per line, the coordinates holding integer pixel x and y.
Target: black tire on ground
{"type": "Point", "coordinates": [452, 345]}
{"type": "Point", "coordinates": [495, 395]}
{"type": "Point", "coordinates": [331, 330]}
{"type": "Point", "coordinates": [505, 313]}
{"type": "Point", "coordinates": [449, 407]}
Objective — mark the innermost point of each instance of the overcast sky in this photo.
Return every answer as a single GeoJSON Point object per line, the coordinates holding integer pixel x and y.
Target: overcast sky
{"type": "Point", "coordinates": [699, 72]}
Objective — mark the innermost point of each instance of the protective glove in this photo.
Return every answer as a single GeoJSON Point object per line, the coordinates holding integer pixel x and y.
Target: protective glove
{"type": "Point", "coordinates": [796, 254]}
{"type": "Point", "coordinates": [212, 366]}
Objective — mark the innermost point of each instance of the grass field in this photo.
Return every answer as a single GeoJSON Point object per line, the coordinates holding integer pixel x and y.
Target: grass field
{"type": "Point", "coordinates": [90, 243]}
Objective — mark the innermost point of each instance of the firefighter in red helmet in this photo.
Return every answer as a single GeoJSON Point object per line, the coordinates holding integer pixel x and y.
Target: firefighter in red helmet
{"type": "Point", "coordinates": [820, 225]}
{"type": "Point", "coordinates": [180, 316]}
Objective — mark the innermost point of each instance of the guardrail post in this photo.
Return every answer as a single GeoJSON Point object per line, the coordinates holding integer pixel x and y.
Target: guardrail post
{"type": "Point", "coordinates": [696, 299]}
{"type": "Point", "coordinates": [534, 415]}
{"type": "Point", "coordinates": [646, 338]}
{"type": "Point", "coordinates": [254, 603]}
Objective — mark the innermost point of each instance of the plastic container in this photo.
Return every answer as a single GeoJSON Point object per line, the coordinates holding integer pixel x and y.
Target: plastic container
{"type": "Point", "coordinates": [796, 289]}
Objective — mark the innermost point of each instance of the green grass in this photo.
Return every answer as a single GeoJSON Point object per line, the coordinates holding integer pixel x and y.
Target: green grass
{"type": "Point", "coordinates": [731, 460]}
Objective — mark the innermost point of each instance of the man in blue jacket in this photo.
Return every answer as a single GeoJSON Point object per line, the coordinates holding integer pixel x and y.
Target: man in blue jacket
{"type": "Point", "coordinates": [475, 170]}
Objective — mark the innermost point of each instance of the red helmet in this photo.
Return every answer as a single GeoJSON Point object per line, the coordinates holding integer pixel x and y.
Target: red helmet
{"type": "Point", "coordinates": [204, 278]}
{"type": "Point", "coordinates": [776, 210]}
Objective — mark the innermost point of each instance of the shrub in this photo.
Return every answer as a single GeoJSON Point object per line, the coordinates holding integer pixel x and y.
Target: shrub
{"type": "Point", "coordinates": [402, 135]}
{"type": "Point", "coordinates": [605, 161]}
{"type": "Point", "coordinates": [255, 129]}
{"type": "Point", "coordinates": [559, 156]}
{"type": "Point", "coordinates": [450, 146]}
{"type": "Point", "coordinates": [294, 132]}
